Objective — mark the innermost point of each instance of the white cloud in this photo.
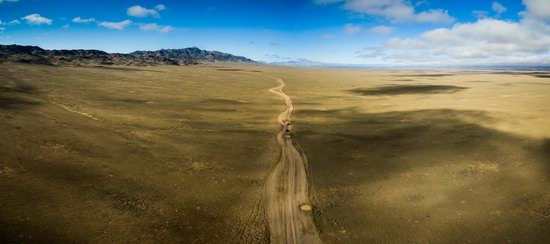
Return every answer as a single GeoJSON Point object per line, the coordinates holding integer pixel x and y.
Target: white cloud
{"type": "Point", "coordinates": [66, 26]}
{"type": "Point", "coordinates": [83, 21]}
{"type": "Point", "coordinates": [160, 7]}
{"type": "Point", "coordinates": [480, 14]}
{"type": "Point", "coordinates": [498, 8]}
{"type": "Point", "coordinates": [13, 22]}
{"type": "Point", "coordinates": [166, 29]}
{"type": "Point", "coordinates": [538, 8]}
{"type": "Point", "coordinates": [434, 16]}
{"type": "Point", "coordinates": [351, 29]}
{"type": "Point", "coordinates": [2, 28]}
{"type": "Point", "coordinates": [116, 25]}
{"type": "Point", "coordinates": [373, 53]}
{"type": "Point", "coordinates": [382, 29]}
{"type": "Point", "coordinates": [394, 10]}
{"type": "Point", "coordinates": [141, 12]}
{"type": "Point", "coordinates": [155, 27]}
{"type": "Point", "coordinates": [399, 43]}
{"type": "Point", "coordinates": [36, 19]}
{"type": "Point", "coordinates": [483, 41]}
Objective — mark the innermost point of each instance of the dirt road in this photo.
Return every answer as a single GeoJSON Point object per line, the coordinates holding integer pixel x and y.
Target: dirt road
{"type": "Point", "coordinates": [288, 209]}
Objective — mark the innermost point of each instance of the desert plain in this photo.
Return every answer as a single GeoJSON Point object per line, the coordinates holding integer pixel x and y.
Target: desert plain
{"type": "Point", "coordinates": [166, 154]}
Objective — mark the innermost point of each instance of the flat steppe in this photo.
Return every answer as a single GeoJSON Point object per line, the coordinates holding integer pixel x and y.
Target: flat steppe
{"type": "Point", "coordinates": [181, 154]}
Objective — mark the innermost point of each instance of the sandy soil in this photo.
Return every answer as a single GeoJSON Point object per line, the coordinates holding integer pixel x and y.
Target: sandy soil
{"type": "Point", "coordinates": [190, 155]}
{"type": "Point", "coordinates": [425, 156]}
{"type": "Point", "coordinates": [128, 154]}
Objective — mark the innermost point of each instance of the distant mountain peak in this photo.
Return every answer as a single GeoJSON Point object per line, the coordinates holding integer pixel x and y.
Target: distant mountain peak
{"type": "Point", "coordinates": [183, 56]}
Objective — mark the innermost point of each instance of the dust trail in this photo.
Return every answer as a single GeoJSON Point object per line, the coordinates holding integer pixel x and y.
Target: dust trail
{"type": "Point", "coordinates": [288, 209]}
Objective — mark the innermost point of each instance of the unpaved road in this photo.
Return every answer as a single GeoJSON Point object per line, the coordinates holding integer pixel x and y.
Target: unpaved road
{"type": "Point", "coordinates": [288, 209]}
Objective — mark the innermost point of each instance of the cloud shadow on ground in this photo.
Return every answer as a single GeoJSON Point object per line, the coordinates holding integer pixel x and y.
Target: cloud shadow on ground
{"type": "Point", "coordinates": [407, 89]}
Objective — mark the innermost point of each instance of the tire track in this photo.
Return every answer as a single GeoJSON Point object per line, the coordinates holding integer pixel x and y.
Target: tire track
{"type": "Point", "coordinates": [287, 205]}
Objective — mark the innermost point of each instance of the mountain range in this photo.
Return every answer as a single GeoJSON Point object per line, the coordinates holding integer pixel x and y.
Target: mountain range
{"type": "Point", "coordinates": [184, 56]}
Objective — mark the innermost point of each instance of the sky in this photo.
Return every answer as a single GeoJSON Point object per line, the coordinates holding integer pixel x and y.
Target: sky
{"type": "Point", "coordinates": [363, 32]}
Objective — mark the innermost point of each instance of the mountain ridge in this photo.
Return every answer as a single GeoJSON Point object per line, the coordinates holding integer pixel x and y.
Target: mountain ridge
{"type": "Point", "coordinates": [183, 56]}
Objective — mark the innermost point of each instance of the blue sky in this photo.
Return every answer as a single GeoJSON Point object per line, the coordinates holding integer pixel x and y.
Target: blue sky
{"type": "Point", "coordinates": [372, 32]}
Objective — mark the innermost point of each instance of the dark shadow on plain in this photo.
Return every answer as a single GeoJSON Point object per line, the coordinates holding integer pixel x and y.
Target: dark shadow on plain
{"type": "Point", "coordinates": [425, 75]}
{"type": "Point", "coordinates": [545, 155]}
{"type": "Point", "coordinates": [125, 100]}
{"type": "Point", "coordinates": [387, 136]}
{"type": "Point", "coordinates": [537, 74]}
{"type": "Point", "coordinates": [17, 95]}
{"type": "Point", "coordinates": [359, 149]}
{"type": "Point", "coordinates": [224, 101]}
{"type": "Point", "coordinates": [122, 196]}
{"type": "Point", "coordinates": [232, 69]}
{"type": "Point", "coordinates": [125, 69]}
{"type": "Point", "coordinates": [408, 89]}
{"type": "Point", "coordinates": [536, 83]}
{"type": "Point", "coordinates": [18, 87]}
{"type": "Point", "coordinates": [223, 69]}
{"type": "Point", "coordinates": [524, 83]}
{"type": "Point", "coordinates": [10, 102]}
